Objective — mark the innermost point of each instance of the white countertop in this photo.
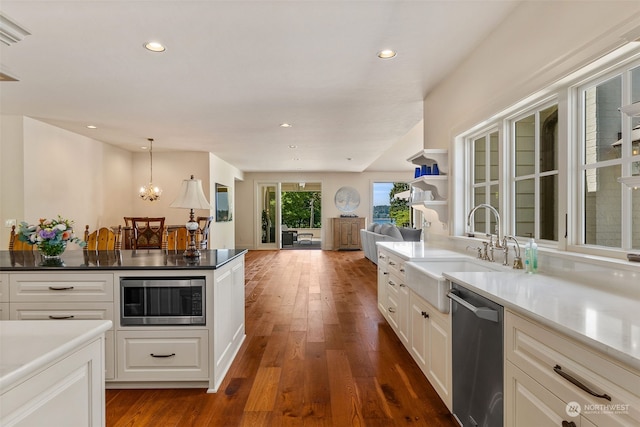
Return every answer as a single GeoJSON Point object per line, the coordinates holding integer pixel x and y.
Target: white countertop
{"type": "Point", "coordinates": [413, 251]}
{"type": "Point", "coordinates": [603, 320]}
{"type": "Point", "coordinates": [26, 346]}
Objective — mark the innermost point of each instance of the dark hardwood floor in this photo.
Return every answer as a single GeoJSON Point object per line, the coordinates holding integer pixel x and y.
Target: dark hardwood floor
{"type": "Point", "coordinates": [317, 353]}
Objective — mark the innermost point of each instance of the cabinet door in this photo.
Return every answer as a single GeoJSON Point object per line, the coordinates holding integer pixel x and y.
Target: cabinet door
{"type": "Point", "coordinates": [440, 354]}
{"type": "Point", "coordinates": [383, 274]}
{"type": "Point", "coordinates": [404, 313]}
{"type": "Point", "coordinates": [531, 405]}
{"type": "Point", "coordinates": [420, 330]}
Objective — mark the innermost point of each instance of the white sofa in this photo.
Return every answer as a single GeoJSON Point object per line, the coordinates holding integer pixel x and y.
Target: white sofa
{"type": "Point", "coordinates": [385, 233]}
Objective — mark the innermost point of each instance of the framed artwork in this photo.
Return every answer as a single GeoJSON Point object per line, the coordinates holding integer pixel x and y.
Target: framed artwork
{"type": "Point", "coordinates": [223, 203]}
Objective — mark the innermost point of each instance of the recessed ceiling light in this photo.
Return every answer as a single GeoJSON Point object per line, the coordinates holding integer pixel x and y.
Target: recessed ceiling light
{"type": "Point", "coordinates": [144, 147]}
{"type": "Point", "coordinates": [154, 46]}
{"type": "Point", "coordinates": [293, 146]}
{"type": "Point", "coordinates": [92, 127]}
{"type": "Point", "coordinates": [387, 54]}
{"type": "Point", "coordinates": [285, 125]}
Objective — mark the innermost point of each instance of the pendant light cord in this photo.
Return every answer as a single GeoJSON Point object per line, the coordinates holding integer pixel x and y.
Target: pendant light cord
{"type": "Point", "coordinates": [151, 159]}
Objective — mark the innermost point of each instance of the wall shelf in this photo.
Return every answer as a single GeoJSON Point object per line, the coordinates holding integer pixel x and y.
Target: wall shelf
{"type": "Point", "coordinates": [438, 185]}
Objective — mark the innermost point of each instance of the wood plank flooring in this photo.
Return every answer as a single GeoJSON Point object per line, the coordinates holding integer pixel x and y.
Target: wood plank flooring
{"type": "Point", "coordinates": [317, 353]}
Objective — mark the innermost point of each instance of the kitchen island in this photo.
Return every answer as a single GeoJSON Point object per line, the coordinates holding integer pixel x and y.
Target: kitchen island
{"type": "Point", "coordinates": [86, 286]}
{"type": "Point", "coordinates": [52, 373]}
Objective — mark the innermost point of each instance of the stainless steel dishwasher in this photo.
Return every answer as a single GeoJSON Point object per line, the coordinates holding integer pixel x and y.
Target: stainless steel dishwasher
{"type": "Point", "coordinates": [477, 342]}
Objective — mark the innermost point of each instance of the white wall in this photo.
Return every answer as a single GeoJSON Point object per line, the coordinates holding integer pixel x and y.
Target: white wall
{"type": "Point", "coordinates": [48, 171]}
{"type": "Point", "coordinates": [11, 173]}
{"type": "Point", "coordinates": [534, 47]}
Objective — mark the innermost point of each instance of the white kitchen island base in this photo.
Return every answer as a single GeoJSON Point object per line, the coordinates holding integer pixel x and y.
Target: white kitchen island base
{"type": "Point", "coordinates": [52, 373]}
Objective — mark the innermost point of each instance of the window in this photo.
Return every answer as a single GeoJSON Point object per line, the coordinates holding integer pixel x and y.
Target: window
{"type": "Point", "coordinates": [387, 208]}
{"type": "Point", "coordinates": [485, 172]}
{"type": "Point", "coordinates": [535, 165]}
{"type": "Point", "coordinates": [610, 148]}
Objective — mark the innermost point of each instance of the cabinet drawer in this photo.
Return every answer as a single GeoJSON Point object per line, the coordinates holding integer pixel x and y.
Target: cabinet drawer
{"type": "Point", "coordinates": [537, 351]}
{"type": "Point", "coordinates": [4, 288]}
{"type": "Point", "coordinates": [58, 311]}
{"type": "Point", "coordinates": [4, 311]}
{"type": "Point", "coordinates": [163, 355]}
{"type": "Point", "coordinates": [395, 266]}
{"type": "Point", "coordinates": [61, 287]}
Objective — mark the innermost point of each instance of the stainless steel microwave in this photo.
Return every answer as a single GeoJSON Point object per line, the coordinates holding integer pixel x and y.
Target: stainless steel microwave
{"type": "Point", "coordinates": [146, 301]}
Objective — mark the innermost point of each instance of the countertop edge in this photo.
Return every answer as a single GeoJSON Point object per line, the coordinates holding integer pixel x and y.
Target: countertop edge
{"type": "Point", "coordinates": [33, 366]}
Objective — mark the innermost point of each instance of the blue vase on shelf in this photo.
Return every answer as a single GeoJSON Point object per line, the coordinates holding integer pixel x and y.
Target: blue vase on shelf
{"type": "Point", "coordinates": [435, 170]}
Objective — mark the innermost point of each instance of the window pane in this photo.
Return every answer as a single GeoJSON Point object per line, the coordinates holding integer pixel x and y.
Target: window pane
{"type": "Point", "coordinates": [493, 157]}
{"type": "Point", "coordinates": [479, 196]}
{"type": "Point", "coordinates": [602, 121]}
{"type": "Point", "coordinates": [525, 146]}
{"type": "Point", "coordinates": [549, 207]}
{"type": "Point", "coordinates": [479, 173]}
{"type": "Point", "coordinates": [548, 138]}
{"type": "Point", "coordinates": [603, 207]}
{"type": "Point", "coordinates": [525, 208]}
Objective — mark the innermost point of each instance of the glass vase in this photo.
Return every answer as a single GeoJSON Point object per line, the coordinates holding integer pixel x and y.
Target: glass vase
{"type": "Point", "coordinates": [50, 253]}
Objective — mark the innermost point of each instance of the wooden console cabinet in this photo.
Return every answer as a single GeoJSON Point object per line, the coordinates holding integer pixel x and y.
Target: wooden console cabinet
{"type": "Point", "coordinates": [346, 233]}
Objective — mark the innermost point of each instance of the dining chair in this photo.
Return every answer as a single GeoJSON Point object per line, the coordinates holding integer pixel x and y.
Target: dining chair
{"type": "Point", "coordinates": [177, 239]}
{"type": "Point", "coordinates": [204, 225]}
{"type": "Point", "coordinates": [15, 244]}
{"type": "Point", "coordinates": [147, 232]}
{"type": "Point", "coordinates": [103, 239]}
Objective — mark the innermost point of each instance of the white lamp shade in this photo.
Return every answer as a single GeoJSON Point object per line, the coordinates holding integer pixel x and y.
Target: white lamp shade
{"type": "Point", "coordinates": [191, 196]}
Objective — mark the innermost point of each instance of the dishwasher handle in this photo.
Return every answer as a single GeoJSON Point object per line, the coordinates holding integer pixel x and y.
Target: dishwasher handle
{"type": "Point", "coordinates": [482, 312]}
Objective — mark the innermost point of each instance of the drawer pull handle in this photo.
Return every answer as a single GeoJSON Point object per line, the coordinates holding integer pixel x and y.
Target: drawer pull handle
{"type": "Point", "coordinates": [61, 317]}
{"type": "Point", "coordinates": [558, 370]}
{"type": "Point", "coordinates": [424, 314]}
{"type": "Point", "coordinates": [402, 270]}
{"type": "Point", "coordinates": [391, 283]}
{"type": "Point", "coordinates": [392, 263]}
{"type": "Point", "coordinates": [391, 310]}
{"type": "Point", "coordinates": [568, 424]}
{"type": "Point", "coordinates": [162, 355]}
{"type": "Point", "coordinates": [402, 285]}
{"type": "Point", "coordinates": [60, 288]}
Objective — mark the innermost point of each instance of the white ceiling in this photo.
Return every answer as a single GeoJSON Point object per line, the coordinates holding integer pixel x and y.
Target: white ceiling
{"type": "Point", "coordinates": [234, 70]}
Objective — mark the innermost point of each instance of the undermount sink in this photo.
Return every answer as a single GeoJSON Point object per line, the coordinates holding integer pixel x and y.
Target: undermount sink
{"type": "Point", "coordinates": [427, 280]}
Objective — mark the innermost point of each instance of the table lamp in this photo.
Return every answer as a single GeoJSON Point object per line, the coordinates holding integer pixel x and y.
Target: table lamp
{"type": "Point", "coordinates": [191, 197]}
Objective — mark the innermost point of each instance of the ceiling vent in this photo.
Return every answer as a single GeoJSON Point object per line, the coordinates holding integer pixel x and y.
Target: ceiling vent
{"type": "Point", "coordinates": [11, 32]}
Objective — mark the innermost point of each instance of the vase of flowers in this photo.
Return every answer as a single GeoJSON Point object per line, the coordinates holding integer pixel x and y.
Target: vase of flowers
{"type": "Point", "coordinates": [51, 237]}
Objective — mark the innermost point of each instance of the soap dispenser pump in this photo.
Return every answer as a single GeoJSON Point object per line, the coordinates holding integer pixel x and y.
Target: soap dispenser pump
{"type": "Point", "coordinates": [531, 257]}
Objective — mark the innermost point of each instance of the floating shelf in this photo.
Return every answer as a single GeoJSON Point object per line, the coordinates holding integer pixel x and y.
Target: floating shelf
{"type": "Point", "coordinates": [429, 157]}
{"type": "Point", "coordinates": [441, 207]}
{"type": "Point", "coordinates": [437, 184]}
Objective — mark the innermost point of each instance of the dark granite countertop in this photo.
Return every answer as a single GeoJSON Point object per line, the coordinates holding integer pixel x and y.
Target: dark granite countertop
{"type": "Point", "coordinates": [153, 259]}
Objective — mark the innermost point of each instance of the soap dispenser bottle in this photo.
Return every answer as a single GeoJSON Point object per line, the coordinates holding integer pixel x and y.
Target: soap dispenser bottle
{"type": "Point", "coordinates": [531, 257]}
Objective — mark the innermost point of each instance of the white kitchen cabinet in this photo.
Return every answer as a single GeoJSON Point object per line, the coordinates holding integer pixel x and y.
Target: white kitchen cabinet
{"type": "Point", "coordinates": [58, 377]}
{"type": "Point", "coordinates": [65, 296]}
{"type": "Point", "coordinates": [4, 296]}
{"type": "Point", "coordinates": [163, 355]}
{"type": "Point", "coordinates": [229, 321]}
{"type": "Point", "coordinates": [397, 298]}
{"type": "Point", "coordinates": [383, 273]}
{"type": "Point", "coordinates": [536, 358]}
{"type": "Point", "coordinates": [430, 345]}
